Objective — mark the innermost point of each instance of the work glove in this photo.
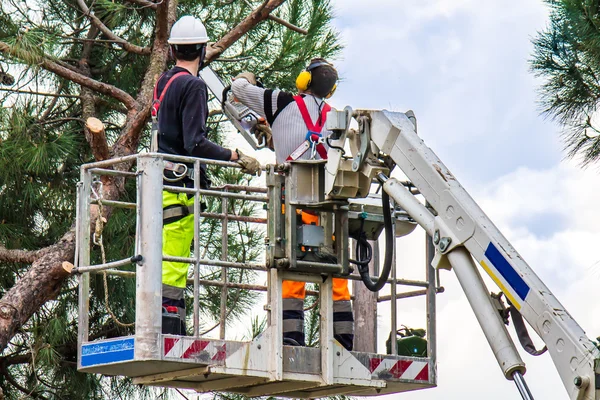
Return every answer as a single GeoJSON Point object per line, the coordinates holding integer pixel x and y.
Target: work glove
{"type": "Point", "coordinates": [249, 76]}
{"type": "Point", "coordinates": [250, 165]}
{"type": "Point", "coordinates": [263, 134]}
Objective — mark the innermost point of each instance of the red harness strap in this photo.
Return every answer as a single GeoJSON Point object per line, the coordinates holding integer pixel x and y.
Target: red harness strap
{"type": "Point", "coordinates": [156, 99]}
{"type": "Point", "coordinates": [314, 131]}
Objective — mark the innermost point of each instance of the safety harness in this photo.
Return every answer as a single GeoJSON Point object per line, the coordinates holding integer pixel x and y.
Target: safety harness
{"type": "Point", "coordinates": [156, 102]}
{"type": "Point", "coordinates": [314, 138]}
{"type": "Point", "coordinates": [178, 170]}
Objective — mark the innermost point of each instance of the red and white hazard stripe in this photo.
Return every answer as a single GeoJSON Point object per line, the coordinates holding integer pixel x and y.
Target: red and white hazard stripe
{"type": "Point", "coordinates": [399, 369]}
{"type": "Point", "coordinates": [189, 348]}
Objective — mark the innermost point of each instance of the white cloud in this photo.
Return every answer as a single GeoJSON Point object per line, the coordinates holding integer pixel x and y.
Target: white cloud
{"type": "Point", "coordinates": [566, 261]}
{"type": "Point", "coordinates": [462, 66]}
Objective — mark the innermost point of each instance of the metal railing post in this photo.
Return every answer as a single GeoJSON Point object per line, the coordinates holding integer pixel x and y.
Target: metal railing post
{"type": "Point", "coordinates": [196, 250]}
{"type": "Point", "coordinates": [83, 237]}
{"type": "Point", "coordinates": [394, 287]}
{"type": "Point", "coordinates": [148, 304]}
{"type": "Point", "coordinates": [224, 253]}
{"type": "Point", "coordinates": [326, 329]}
{"type": "Point", "coordinates": [431, 307]}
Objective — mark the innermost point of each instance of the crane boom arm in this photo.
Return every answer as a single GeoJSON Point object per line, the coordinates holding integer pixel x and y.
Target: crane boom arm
{"type": "Point", "coordinates": [461, 224]}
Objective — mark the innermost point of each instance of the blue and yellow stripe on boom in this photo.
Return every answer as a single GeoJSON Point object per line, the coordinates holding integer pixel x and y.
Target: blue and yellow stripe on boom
{"type": "Point", "coordinates": [514, 280]}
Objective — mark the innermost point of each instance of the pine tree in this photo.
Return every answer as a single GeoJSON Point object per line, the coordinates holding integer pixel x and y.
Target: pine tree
{"type": "Point", "coordinates": [60, 63]}
{"type": "Point", "coordinates": [567, 56]}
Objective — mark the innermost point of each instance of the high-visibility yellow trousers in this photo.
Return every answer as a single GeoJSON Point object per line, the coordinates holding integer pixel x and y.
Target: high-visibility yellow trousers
{"type": "Point", "coordinates": [177, 239]}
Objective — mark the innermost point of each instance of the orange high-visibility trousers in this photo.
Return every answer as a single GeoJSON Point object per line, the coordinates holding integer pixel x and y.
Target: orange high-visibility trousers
{"type": "Point", "coordinates": [297, 290]}
{"type": "Point", "coordinates": [293, 294]}
{"type": "Point", "coordinates": [293, 313]}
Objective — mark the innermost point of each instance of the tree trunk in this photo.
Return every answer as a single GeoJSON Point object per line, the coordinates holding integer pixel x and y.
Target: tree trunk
{"type": "Point", "coordinates": [42, 282]}
{"type": "Point", "coordinates": [365, 309]}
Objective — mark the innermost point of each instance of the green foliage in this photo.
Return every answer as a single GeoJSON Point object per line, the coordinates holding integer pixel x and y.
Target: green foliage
{"type": "Point", "coordinates": [567, 55]}
{"type": "Point", "coordinates": [42, 146]}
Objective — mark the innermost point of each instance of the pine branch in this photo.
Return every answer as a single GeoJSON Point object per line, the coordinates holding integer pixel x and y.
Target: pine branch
{"type": "Point", "coordinates": [52, 104]}
{"type": "Point", "coordinates": [145, 3]}
{"type": "Point", "coordinates": [288, 25]}
{"type": "Point", "coordinates": [103, 102]}
{"type": "Point", "coordinates": [18, 255]}
{"type": "Point", "coordinates": [253, 19]}
{"type": "Point", "coordinates": [69, 96]}
{"type": "Point", "coordinates": [29, 393]}
{"type": "Point", "coordinates": [74, 76]}
{"type": "Point", "coordinates": [59, 120]}
{"type": "Point", "coordinates": [283, 22]}
{"type": "Point", "coordinates": [110, 34]}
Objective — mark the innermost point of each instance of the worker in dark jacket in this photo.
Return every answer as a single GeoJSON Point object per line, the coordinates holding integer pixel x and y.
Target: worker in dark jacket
{"type": "Point", "coordinates": [290, 118]}
{"type": "Point", "coordinates": [181, 105]}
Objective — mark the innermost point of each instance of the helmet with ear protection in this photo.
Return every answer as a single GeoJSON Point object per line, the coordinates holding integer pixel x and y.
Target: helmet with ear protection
{"type": "Point", "coordinates": [304, 78]}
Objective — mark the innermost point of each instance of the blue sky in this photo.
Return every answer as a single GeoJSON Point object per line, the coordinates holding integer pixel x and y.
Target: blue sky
{"type": "Point", "coordinates": [462, 66]}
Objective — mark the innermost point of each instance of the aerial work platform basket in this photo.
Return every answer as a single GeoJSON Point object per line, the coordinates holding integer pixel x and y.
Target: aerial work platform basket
{"type": "Point", "coordinates": [263, 366]}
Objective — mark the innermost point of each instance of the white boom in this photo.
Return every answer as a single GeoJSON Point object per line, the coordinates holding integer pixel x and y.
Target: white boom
{"type": "Point", "coordinates": [460, 228]}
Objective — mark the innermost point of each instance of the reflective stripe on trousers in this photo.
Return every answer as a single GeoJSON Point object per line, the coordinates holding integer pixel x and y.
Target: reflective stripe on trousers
{"type": "Point", "coordinates": [174, 296]}
{"type": "Point", "coordinates": [293, 314]}
{"type": "Point", "coordinates": [177, 239]}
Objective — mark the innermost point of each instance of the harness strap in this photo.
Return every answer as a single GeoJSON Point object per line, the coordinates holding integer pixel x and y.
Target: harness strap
{"type": "Point", "coordinates": [169, 214]}
{"type": "Point", "coordinates": [179, 171]}
{"type": "Point", "coordinates": [176, 212]}
{"type": "Point", "coordinates": [318, 127]}
{"type": "Point", "coordinates": [157, 100]}
{"type": "Point", "coordinates": [314, 136]}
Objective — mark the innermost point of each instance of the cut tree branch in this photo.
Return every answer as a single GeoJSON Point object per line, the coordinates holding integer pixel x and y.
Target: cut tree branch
{"type": "Point", "coordinates": [110, 34]}
{"type": "Point", "coordinates": [18, 255]}
{"type": "Point", "coordinates": [97, 139]}
{"type": "Point", "coordinates": [75, 77]}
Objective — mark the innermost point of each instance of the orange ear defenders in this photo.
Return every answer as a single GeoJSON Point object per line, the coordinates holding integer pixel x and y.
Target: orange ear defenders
{"type": "Point", "coordinates": [304, 78]}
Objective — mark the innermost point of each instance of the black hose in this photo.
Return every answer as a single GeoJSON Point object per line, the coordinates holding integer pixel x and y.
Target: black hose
{"type": "Point", "coordinates": [332, 146]}
{"type": "Point", "coordinates": [364, 251]}
{"type": "Point", "coordinates": [375, 286]}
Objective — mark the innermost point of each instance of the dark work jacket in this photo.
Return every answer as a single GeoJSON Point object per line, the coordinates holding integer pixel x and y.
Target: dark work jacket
{"type": "Point", "coordinates": [182, 122]}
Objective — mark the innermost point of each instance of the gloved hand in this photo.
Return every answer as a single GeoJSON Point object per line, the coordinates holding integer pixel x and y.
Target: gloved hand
{"type": "Point", "coordinates": [249, 76]}
{"type": "Point", "coordinates": [263, 134]}
{"type": "Point", "coordinates": [250, 165]}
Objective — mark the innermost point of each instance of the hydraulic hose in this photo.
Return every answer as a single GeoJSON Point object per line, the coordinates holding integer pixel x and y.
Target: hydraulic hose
{"type": "Point", "coordinates": [363, 268]}
{"type": "Point", "coordinates": [364, 251]}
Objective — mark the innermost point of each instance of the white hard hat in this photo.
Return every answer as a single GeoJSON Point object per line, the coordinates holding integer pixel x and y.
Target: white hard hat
{"type": "Point", "coordinates": [188, 30]}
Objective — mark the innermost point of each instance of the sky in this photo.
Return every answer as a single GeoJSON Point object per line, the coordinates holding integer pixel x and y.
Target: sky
{"type": "Point", "coordinates": [463, 67]}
